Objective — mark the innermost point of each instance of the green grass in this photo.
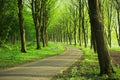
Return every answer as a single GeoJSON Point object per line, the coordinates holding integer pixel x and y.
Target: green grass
{"type": "Point", "coordinates": [115, 48]}
{"type": "Point", "coordinates": [10, 55]}
{"type": "Point", "coordinates": [87, 69]}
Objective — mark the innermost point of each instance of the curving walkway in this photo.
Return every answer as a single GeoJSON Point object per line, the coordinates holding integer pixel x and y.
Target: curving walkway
{"type": "Point", "coordinates": [43, 69]}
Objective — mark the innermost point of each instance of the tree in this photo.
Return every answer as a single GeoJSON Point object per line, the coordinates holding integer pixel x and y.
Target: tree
{"type": "Point", "coordinates": [36, 13]}
{"type": "Point", "coordinates": [73, 10]}
{"type": "Point", "coordinates": [83, 22]}
{"type": "Point", "coordinates": [118, 19]}
{"type": "Point", "coordinates": [79, 27]}
{"type": "Point", "coordinates": [98, 27]}
{"type": "Point", "coordinates": [21, 23]}
{"type": "Point", "coordinates": [8, 12]}
{"type": "Point", "coordinates": [109, 15]}
{"type": "Point", "coordinates": [3, 16]}
{"type": "Point", "coordinates": [44, 22]}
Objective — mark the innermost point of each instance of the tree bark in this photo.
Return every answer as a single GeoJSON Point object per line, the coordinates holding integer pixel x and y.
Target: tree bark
{"type": "Point", "coordinates": [118, 18]}
{"type": "Point", "coordinates": [83, 26]}
{"type": "Point", "coordinates": [98, 27]}
{"type": "Point", "coordinates": [44, 23]}
{"type": "Point", "coordinates": [70, 33]}
{"type": "Point", "coordinates": [36, 13]}
{"type": "Point", "coordinates": [109, 12]}
{"type": "Point", "coordinates": [75, 26]}
{"type": "Point", "coordinates": [79, 28]}
{"type": "Point", "coordinates": [21, 23]}
{"type": "Point", "coordinates": [93, 40]}
{"type": "Point", "coordinates": [38, 38]}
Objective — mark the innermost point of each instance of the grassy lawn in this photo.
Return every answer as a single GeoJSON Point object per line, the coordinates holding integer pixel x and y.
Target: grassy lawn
{"type": "Point", "coordinates": [10, 55]}
{"type": "Point", "coordinates": [115, 48]}
{"type": "Point", "coordinates": [87, 69]}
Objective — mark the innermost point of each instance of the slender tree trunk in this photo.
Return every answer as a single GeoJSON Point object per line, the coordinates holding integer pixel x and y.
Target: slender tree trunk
{"type": "Point", "coordinates": [93, 40]}
{"type": "Point", "coordinates": [21, 22]}
{"type": "Point", "coordinates": [46, 41]}
{"type": "Point", "coordinates": [83, 26]}
{"type": "Point", "coordinates": [109, 35]}
{"type": "Point", "coordinates": [97, 25]}
{"type": "Point", "coordinates": [109, 11]}
{"type": "Point", "coordinates": [75, 27]}
{"type": "Point", "coordinates": [44, 23]}
{"type": "Point", "coordinates": [44, 37]}
{"type": "Point", "coordinates": [79, 28]}
{"type": "Point", "coordinates": [67, 31]}
{"type": "Point", "coordinates": [60, 35]}
{"type": "Point", "coordinates": [70, 33]}
{"type": "Point", "coordinates": [38, 38]}
{"type": "Point", "coordinates": [118, 17]}
{"type": "Point", "coordinates": [117, 29]}
{"type": "Point", "coordinates": [36, 13]}
{"type": "Point", "coordinates": [83, 30]}
{"type": "Point", "coordinates": [75, 43]}
{"type": "Point", "coordinates": [14, 38]}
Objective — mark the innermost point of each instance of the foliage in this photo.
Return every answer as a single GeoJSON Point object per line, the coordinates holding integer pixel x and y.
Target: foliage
{"type": "Point", "coordinates": [61, 16]}
{"type": "Point", "coordinates": [62, 22]}
{"type": "Point", "coordinates": [8, 15]}
{"type": "Point", "coordinates": [66, 21]}
{"type": "Point", "coordinates": [29, 25]}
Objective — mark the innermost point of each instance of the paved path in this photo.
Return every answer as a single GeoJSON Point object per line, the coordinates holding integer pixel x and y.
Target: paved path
{"type": "Point", "coordinates": [43, 69]}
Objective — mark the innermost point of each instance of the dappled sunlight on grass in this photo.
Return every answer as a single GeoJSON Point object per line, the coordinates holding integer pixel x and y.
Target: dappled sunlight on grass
{"type": "Point", "coordinates": [87, 69]}
{"type": "Point", "coordinates": [115, 48]}
{"type": "Point", "coordinates": [11, 55]}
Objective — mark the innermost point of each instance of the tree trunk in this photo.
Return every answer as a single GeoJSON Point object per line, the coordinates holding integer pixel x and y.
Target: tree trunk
{"type": "Point", "coordinates": [14, 38]}
{"type": "Point", "coordinates": [118, 17]}
{"type": "Point", "coordinates": [75, 43]}
{"type": "Point", "coordinates": [75, 27]}
{"type": "Point", "coordinates": [21, 22]}
{"type": "Point", "coordinates": [79, 28]}
{"type": "Point", "coordinates": [43, 35]}
{"type": "Point", "coordinates": [70, 33]}
{"type": "Point", "coordinates": [93, 40]}
{"type": "Point", "coordinates": [43, 32]}
{"type": "Point", "coordinates": [67, 31]}
{"type": "Point", "coordinates": [83, 26]}
{"type": "Point", "coordinates": [109, 12]}
{"type": "Point", "coordinates": [97, 25]}
{"type": "Point", "coordinates": [38, 38]}
{"type": "Point", "coordinates": [44, 23]}
{"type": "Point", "coordinates": [36, 13]}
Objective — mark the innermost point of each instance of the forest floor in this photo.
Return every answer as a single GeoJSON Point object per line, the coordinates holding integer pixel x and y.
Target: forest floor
{"type": "Point", "coordinates": [43, 69]}
{"type": "Point", "coordinates": [115, 55]}
{"type": "Point", "coordinates": [87, 68]}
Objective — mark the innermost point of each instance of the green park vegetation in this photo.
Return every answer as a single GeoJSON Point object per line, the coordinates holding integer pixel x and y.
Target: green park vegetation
{"type": "Point", "coordinates": [36, 29]}
{"type": "Point", "coordinates": [87, 68]}
{"type": "Point", "coordinates": [115, 48]}
{"type": "Point", "coordinates": [11, 56]}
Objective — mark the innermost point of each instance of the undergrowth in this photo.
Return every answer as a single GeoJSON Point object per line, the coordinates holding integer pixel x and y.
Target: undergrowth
{"type": "Point", "coordinates": [86, 69]}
